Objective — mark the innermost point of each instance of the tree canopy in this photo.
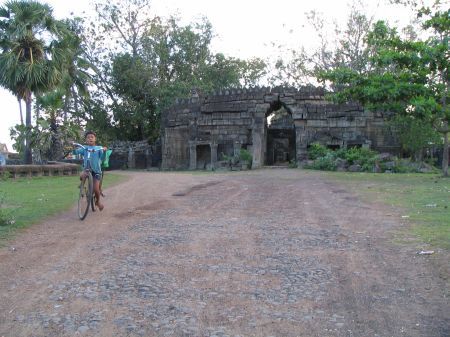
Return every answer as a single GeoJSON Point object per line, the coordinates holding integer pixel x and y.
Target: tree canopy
{"type": "Point", "coordinates": [33, 54]}
{"type": "Point", "coordinates": [406, 77]}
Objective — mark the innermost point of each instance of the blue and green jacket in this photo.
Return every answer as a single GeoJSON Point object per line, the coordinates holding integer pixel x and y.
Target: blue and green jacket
{"type": "Point", "coordinates": [95, 158]}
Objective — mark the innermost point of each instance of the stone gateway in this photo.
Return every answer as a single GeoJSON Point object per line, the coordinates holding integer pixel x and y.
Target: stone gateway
{"type": "Point", "coordinates": [276, 125]}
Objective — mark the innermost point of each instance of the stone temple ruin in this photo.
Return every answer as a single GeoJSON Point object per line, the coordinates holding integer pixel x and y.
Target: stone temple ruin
{"type": "Point", "coordinates": [276, 125]}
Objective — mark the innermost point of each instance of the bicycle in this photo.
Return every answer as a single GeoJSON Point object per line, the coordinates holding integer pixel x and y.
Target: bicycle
{"type": "Point", "coordinates": [86, 197]}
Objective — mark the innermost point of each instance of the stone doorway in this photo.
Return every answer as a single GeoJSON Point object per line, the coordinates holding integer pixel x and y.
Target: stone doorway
{"type": "Point", "coordinates": [280, 138]}
{"type": "Point", "coordinates": [203, 156]}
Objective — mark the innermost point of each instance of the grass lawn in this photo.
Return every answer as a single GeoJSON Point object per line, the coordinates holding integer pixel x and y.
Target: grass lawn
{"type": "Point", "coordinates": [424, 199]}
{"type": "Point", "coordinates": [27, 201]}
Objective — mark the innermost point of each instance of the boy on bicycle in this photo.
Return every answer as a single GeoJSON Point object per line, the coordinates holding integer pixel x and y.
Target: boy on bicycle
{"type": "Point", "coordinates": [97, 155]}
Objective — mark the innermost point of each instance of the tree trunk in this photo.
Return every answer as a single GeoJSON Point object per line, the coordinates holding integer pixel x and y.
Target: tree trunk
{"type": "Point", "coordinates": [19, 100]}
{"type": "Point", "coordinates": [38, 108]}
{"type": "Point", "coordinates": [66, 106]}
{"type": "Point", "coordinates": [28, 159]}
{"type": "Point", "coordinates": [445, 154]}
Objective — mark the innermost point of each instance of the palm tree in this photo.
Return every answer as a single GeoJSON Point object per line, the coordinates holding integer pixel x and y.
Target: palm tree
{"type": "Point", "coordinates": [77, 78]}
{"type": "Point", "coordinates": [33, 53]}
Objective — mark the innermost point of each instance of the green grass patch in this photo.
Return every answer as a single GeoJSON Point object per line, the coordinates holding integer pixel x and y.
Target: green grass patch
{"type": "Point", "coordinates": [27, 201]}
{"type": "Point", "coordinates": [424, 199]}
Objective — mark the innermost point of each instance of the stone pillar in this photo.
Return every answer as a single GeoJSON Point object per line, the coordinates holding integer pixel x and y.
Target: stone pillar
{"type": "Point", "coordinates": [148, 158]}
{"type": "Point", "coordinates": [213, 147]}
{"type": "Point", "coordinates": [192, 155]}
{"type": "Point", "coordinates": [237, 148]}
{"type": "Point", "coordinates": [131, 158]}
{"type": "Point", "coordinates": [301, 140]}
{"type": "Point", "coordinates": [257, 140]}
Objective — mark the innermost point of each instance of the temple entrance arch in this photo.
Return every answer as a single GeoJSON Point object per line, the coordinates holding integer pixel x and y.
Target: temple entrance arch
{"type": "Point", "coordinates": [280, 138]}
{"type": "Point", "coordinates": [199, 131]}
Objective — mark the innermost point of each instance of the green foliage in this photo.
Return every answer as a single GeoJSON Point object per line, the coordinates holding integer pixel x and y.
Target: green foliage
{"type": "Point", "coordinates": [6, 213]}
{"type": "Point", "coordinates": [34, 49]}
{"type": "Point", "coordinates": [368, 160]}
{"type": "Point", "coordinates": [245, 155]}
{"type": "Point", "coordinates": [325, 163]}
{"type": "Point", "coordinates": [414, 135]}
{"type": "Point", "coordinates": [5, 175]}
{"type": "Point", "coordinates": [317, 150]}
{"type": "Point", "coordinates": [159, 60]}
{"type": "Point", "coordinates": [43, 138]}
{"type": "Point", "coordinates": [407, 77]}
{"type": "Point", "coordinates": [358, 155]}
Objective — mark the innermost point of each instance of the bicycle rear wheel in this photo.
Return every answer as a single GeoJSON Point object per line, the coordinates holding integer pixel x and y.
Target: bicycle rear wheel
{"type": "Point", "coordinates": [86, 196]}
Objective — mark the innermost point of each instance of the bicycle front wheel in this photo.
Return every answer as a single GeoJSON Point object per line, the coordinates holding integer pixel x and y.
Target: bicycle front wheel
{"type": "Point", "coordinates": [85, 197]}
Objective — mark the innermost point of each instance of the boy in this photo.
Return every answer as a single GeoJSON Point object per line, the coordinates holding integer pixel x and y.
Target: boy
{"type": "Point", "coordinates": [97, 155]}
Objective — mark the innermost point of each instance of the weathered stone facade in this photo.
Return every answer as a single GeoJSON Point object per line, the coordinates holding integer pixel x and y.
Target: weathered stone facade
{"type": "Point", "coordinates": [135, 155]}
{"type": "Point", "coordinates": [196, 132]}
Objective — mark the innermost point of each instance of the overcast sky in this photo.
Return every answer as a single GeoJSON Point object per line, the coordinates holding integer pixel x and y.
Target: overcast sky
{"type": "Point", "coordinates": [244, 28]}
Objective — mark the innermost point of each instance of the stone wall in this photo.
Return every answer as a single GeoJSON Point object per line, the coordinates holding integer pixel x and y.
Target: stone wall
{"type": "Point", "coordinates": [29, 171]}
{"type": "Point", "coordinates": [194, 129]}
{"type": "Point", "coordinates": [134, 155]}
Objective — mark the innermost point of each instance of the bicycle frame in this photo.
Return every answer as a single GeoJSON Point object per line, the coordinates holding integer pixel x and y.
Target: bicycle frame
{"type": "Point", "coordinates": [88, 192]}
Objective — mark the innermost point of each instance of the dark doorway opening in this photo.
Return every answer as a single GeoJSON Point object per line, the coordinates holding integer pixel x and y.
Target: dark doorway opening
{"type": "Point", "coordinates": [280, 138]}
{"type": "Point", "coordinates": [203, 156]}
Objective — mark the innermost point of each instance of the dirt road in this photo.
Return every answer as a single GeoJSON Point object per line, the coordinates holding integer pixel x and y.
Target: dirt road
{"type": "Point", "coordinates": [257, 253]}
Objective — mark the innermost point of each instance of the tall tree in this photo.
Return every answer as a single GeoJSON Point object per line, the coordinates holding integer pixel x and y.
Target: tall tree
{"type": "Point", "coordinates": [299, 67]}
{"type": "Point", "coordinates": [32, 55]}
{"type": "Point", "coordinates": [149, 61]}
{"type": "Point", "coordinates": [409, 78]}
{"type": "Point", "coordinates": [77, 76]}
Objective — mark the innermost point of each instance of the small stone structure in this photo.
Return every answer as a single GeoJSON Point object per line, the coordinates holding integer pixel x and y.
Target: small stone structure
{"type": "Point", "coordinates": [197, 132]}
{"type": "Point", "coordinates": [135, 155]}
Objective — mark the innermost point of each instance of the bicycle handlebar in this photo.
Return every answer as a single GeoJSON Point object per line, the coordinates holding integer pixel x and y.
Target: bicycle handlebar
{"type": "Point", "coordinates": [84, 147]}
{"type": "Point", "coordinates": [79, 145]}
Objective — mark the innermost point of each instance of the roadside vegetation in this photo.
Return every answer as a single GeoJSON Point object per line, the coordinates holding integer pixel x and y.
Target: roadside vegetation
{"type": "Point", "coordinates": [116, 70]}
{"type": "Point", "coordinates": [24, 202]}
{"type": "Point", "coordinates": [423, 198]}
{"type": "Point", "coordinates": [363, 160]}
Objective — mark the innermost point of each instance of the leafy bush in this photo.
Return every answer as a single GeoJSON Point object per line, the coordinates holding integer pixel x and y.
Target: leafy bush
{"type": "Point", "coordinates": [5, 175]}
{"type": "Point", "coordinates": [326, 163]}
{"type": "Point", "coordinates": [317, 150]}
{"type": "Point", "coordinates": [356, 155]}
{"type": "Point", "coordinates": [245, 155]}
{"type": "Point", "coordinates": [368, 160]}
{"type": "Point", "coordinates": [362, 156]}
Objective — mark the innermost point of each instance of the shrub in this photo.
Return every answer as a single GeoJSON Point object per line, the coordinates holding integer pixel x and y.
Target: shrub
{"type": "Point", "coordinates": [245, 155]}
{"type": "Point", "coordinates": [317, 150]}
{"type": "Point", "coordinates": [360, 156]}
{"type": "Point", "coordinates": [325, 159]}
{"type": "Point", "coordinates": [368, 161]}
{"type": "Point", "coordinates": [325, 163]}
{"type": "Point", "coordinates": [5, 175]}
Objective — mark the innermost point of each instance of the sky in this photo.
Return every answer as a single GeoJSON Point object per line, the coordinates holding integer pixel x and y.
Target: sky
{"type": "Point", "coordinates": [243, 28]}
